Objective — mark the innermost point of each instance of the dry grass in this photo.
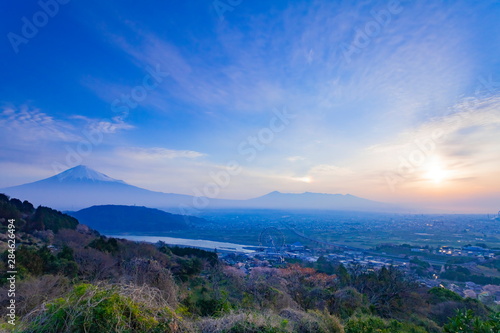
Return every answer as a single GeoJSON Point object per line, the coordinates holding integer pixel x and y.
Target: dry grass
{"type": "Point", "coordinates": [106, 308]}
{"type": "Point", "coordinates": [242, 321]}
{"type": "Point", "coordinates": [33, 291]}
{"type": "Point", "coordinates": [140, 271]}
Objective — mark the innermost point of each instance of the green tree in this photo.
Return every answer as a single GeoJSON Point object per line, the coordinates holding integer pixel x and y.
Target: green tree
{"type": "Point", "coordinates": [466, 322]}
{"type": "Point", "coordinates": [49, 219]}
{"type": "Point", "coordinates": [439, 295]}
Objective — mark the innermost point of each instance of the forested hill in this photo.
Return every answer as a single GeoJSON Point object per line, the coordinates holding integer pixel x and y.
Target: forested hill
{"type": "Point", "coordinates": [29, 219]}
{"type": "Point", "coordinates": [117, 218]}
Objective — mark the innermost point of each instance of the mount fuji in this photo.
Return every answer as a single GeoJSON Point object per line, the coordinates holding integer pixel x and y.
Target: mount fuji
{"type": "Point", "coordinates": [82, 187]}
{"type": "Point", "coordinates": [80, 174]}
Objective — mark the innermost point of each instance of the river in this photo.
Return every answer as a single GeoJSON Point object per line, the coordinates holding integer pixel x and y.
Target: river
{"type": "Point", "coordinates": [199, 243]}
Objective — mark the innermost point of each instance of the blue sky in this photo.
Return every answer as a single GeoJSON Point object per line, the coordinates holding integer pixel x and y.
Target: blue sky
{"type": "Point", "coordinates": [369, 84]}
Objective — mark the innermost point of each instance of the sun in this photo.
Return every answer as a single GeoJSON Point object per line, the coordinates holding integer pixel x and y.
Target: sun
{"type": "Point", "coordinates": [436, 173]}
{"type": "Point", "coordinates": [303, 179]}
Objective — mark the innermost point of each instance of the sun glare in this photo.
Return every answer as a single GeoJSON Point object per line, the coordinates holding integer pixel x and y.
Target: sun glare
{"type": "Point", "coordinates": [303, 179]}
{"type": "Point", "coordinates": [436, 173]}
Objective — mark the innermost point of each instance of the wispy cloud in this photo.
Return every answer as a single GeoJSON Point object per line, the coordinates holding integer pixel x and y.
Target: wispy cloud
{"type": "Point", "coordinates": [329, 170]}
{"type": "Point", "coordinates": [105, 126]}
{"type": "Point", "coordinates": [196, 81]}
{"type": "Point", "coordinates": [391, 82]}
{"type": "Point", "coordinates": [157, 153]}
{"type": "Point", "coordinates": [28, 124]}
{"type": "Point", "coordinates": [457, 147]}
{"type": "Point", "coordinates": [354, 120]}
{"type": "Point", "coordinates": [479, 122]}
{"type": "Point", "coordinates": [295, 158]}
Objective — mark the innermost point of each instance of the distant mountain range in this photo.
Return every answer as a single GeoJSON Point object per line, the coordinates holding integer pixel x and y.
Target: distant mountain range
{"type": "Point", "coordinates": [310, 200]}
{"type": "Point", "coordinates": [82, 187]}
{"type": "Point", "coordinates": [117, 219]}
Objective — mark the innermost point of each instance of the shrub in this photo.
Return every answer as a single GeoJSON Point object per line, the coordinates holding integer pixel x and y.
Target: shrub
{"type": "Point", "coordinates": [439, 295]}
{"type": "Point", "coordinates": [104, 308]}
{"type": "Point", "coordinates": [312, 321]}
{"type": "Point", "coordinates": [33, 291]}
{"type": "Point", "coordinates": [105, 244]}
{"type": "Point", "coordinates": [372, 324]}
{"type": "Point", "coordinates": [140, 271]}
{"type": "Point", "coordinates": [37, 261]}
{"type": "Point", "coordinates": [211, 257]}
{"type": "Point", "coordinates": [244, 323]}
{"type": "Point", "coordinates": [466, 322]}
{"type": "Point", "coordinates": [347, 301]}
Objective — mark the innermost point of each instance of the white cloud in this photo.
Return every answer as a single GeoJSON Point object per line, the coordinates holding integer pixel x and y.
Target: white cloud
{"type": "Point", "coordinates": [295, 158]}
{"type": "Point", "coordinates": [158, 153]}
{"type": "Point", "coordinates": [329, 170]}
{"type": "Point", "coordinates": [465, 142]}
{"type": "Point", "coordinates": [475, 117]}
{"type": "Point", "coordinates": [27, 124]}
{"type": "Point", "coordinates": [106, 126]}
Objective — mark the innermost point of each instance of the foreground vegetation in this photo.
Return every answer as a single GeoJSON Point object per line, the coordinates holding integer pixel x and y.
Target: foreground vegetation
{"type": "Point", "coordinates": [71, 279]}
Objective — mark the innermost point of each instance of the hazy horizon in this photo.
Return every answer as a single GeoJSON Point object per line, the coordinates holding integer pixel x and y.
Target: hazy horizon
{"type": "Point", "coordinates": [391, 101]}
{"type": "Point", "coordinates": [74, 188]}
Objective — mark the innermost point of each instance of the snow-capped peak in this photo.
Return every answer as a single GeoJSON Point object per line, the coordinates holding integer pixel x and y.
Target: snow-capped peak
{"type": "Point", "coordinates": [85, 173]}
